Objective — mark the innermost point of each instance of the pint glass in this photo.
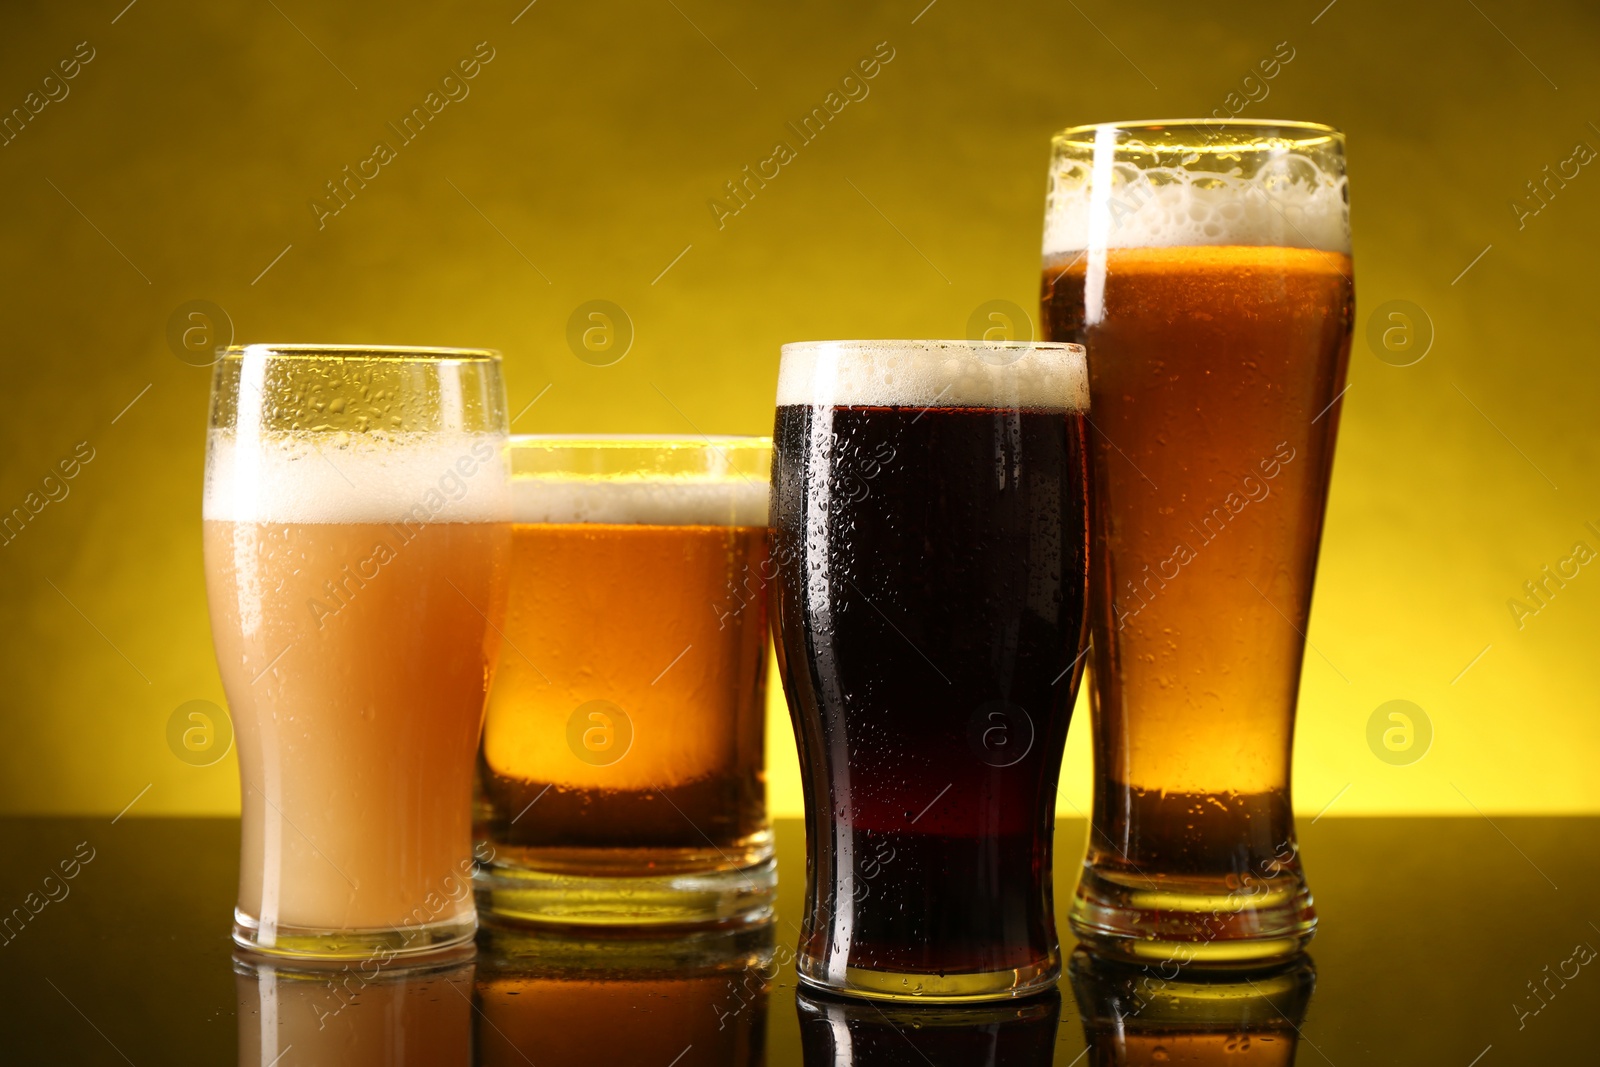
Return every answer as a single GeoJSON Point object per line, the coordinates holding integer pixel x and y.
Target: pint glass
{"type": "Point", "coordinates": [356, 544]}
{"type": "Point", "coordinates": [622, 775]}
{"type": "Point", "coordinates": [930, 538]}
{"type": "Point", "coordinates": [1207, 268]}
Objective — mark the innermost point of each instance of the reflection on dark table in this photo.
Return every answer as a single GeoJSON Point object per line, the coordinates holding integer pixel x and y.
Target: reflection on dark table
{"type": "Point", "coordinates": [839, 1032]}
{"type": "Point", "coordinates": [566, 1001]}
{"type": "Point", "coordinates": [1442, 941]}
{"type": "Point", "coordinates": [553, 998]}
{"type": "Point", "coordinates": [354, 1015]}
{"type": "Point", "coordinates": [1171, 1014]}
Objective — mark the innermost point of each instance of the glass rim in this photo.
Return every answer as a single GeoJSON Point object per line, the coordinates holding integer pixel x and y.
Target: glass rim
{"type": "Point", "coordinates": [653, 441]}
{"type": "Point", "coordinates": [1311, 134]}
{"type": "Point", "coordinates": [396, 353]}
{"type": "Point", "coordinates": [925, 345]}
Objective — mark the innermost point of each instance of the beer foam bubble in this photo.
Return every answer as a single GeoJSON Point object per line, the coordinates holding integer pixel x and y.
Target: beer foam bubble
{"type": "Point", "coordinates": [348, 478]}
{"type": "Point", "coordinates": [934, 374]}
{"type": "Point", "coordinates": [640, 500]}
{"type": "Point", "coordinates": [1289, 202]}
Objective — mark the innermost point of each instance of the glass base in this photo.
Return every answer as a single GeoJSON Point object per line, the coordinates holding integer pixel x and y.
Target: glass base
{"type": "Point", "coordinates": [931, 988]}
{"type": "Point", "coordinates": [685, 898]}
{"type": "Point", "coordinates": [382, 943]}
{"type": "Point", "coordinates": [1193, 921]}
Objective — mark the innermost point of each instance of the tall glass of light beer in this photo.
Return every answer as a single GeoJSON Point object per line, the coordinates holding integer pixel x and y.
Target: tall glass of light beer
{"type": "Point", "coordinates": [1206, 266]}
{"type": "Point", "coordinates": [930, 532]}
{"type": "Point", "coordinates": [622, 776]}
{"type": "Point", "coordinates": [356, 547]}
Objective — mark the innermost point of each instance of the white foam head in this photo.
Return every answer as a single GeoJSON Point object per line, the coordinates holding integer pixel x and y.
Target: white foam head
{"type": "Point", "coordinates": [934, 374]}
{"type": "Point", "coordinates": [350, 478]}
{"type": "Point", "coordinates": [641, 499]}
{"type": "Point", "coordinates": [1288, 199]}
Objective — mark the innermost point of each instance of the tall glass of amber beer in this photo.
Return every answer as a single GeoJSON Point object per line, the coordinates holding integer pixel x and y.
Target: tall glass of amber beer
{"type": "Point", "coordinates": [622, 777]}
{"type": "Point", "coordinates": [1206, 266]}
{"type": "Point", "coordinates": [356, 546]}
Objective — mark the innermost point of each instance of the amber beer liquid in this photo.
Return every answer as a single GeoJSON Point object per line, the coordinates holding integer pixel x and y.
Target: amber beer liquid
{"type": "Point", "coordinates": [622, 772]}
{"type": "Point", "coordinates": [1216, 307]}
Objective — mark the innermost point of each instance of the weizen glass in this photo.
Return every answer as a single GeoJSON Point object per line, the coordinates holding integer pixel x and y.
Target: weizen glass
{"type": "Point", "coordinates": [356, 546]}
{"type": "Point", "coordinates": [622, 775]}
{"type": "Point", "coordinates": [1207, 268]}
{"type": "Point", "coordinates": [930, 533]}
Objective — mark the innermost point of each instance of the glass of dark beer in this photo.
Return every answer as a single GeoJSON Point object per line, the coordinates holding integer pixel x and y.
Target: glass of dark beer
{"type": "Point", "coordinates": [930, 537]}
{"type": "Point", "coordinates": [1206, 265]}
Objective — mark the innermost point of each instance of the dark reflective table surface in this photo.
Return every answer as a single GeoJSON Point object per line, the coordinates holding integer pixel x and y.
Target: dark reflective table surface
{"type": "Point", "coordinates": [1460, 942]}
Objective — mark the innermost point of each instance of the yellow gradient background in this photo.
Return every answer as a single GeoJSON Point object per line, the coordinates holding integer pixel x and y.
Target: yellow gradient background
{"type": "Point", "coordinates": [182, 162]}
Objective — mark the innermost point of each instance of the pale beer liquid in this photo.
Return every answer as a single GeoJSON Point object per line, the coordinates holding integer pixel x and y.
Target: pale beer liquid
{"type": "Point", "coordinates": [356, 713]}
{"type": "Point", "coordinates": [668, 624]}
{"type": "Point", "coordinates": [1213, 372]}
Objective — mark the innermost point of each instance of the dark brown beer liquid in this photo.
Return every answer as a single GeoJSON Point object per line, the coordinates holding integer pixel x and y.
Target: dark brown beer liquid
{"type": "Point", "coordinates": [929, 611]}
{"type": "Point", "coordinates": [1213, 373]}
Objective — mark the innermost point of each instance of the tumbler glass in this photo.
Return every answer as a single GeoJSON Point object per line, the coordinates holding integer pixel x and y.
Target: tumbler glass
{"type": "Point", "coordinates": [622, 778]}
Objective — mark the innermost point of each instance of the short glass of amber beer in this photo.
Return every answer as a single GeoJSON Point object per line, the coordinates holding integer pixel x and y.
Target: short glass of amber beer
{"type": "Point", "coordinates": [622, 780]}
{"type": "Point", "coordinates": [930, 533]}
{"type": "Point", "coordinates": [1206, 266]}
{"type": "Point", "coordinates": [357, 540]}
